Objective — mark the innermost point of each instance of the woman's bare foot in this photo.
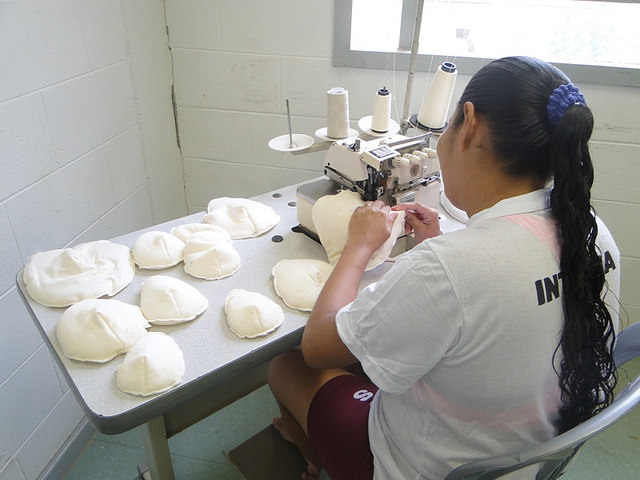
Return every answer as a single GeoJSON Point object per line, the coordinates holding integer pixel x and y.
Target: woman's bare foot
{"type": "Point", "coordinates": [312, 473]}
{"type": "Point", "coordinates": [279, 426]}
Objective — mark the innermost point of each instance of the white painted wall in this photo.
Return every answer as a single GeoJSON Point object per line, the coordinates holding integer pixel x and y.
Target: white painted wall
{"type": "Point", "coordinates": [236, 61]}
{"type": "Point", "coordinates": [87, 151]}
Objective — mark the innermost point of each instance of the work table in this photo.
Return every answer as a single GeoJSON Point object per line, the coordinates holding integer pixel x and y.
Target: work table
{"type": "Point", "coordinates": [220, 367]}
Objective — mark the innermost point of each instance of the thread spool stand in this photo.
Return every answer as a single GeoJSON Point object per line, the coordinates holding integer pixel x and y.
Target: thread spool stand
{"type": "Point", "coordinates": [291, 142]}
{"type": "Point", "coordinates": [364, 124]}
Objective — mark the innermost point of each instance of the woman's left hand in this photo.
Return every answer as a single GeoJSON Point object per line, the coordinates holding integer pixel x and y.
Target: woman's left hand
{"type": "Point", "coordinates": [422, 220]}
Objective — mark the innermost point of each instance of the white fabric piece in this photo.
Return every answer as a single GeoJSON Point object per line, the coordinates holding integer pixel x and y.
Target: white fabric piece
{"type": "Point", "coordinates": [201, 230]}
{"type": "Point", "coordinates": [157, 250]}
{"type": "Point", "coordinates": [241, 217]}
{"type": "Point", "coordinates": [167, 300]}
{"type": "Point", "coordinates": [59, 278]}
{"type": "Point", "coordinates": [98, 330]}
{"type": "Point", "coordinates": [210, 260]}
{"type": "Point", "coordinates": [251, 314]}
{"type": "Point", "coordinates": [153, 365]}
{"type": "Point", "coordinates": [331, 215]}
{"type": "Point", "coordinates": [299, 281]}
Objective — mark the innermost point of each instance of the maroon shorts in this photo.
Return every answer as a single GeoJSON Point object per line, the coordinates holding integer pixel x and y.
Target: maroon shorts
{"type": "Point", "coordinates": [337, 424]}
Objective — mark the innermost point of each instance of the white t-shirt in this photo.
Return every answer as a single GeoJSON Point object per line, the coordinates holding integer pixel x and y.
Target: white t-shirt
{"type": "Point", "coordinates": [459, 336]}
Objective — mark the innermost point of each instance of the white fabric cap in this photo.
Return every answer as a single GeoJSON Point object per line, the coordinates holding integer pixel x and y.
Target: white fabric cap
{"type": "Point", "coordinates": [241, 217]}
{"type": "Point", "coordinates": [298, 282]}
{"type": "Point", "coordinates": [153, 365]}
{"type": "Point", "coordinates": [250, 314]}
{"type": "Point", "coordinates": [157, 250]}
{"type": "Point", "coordinates": [204, 258]}
{"type": "Point", "coordinates": [97, 330]}
{"type": "Point", "coordinates": [331, 215]}
{"type": "Point", "coordinates": [59, 278]}
{"type": "Point", "coordinates": [201, 230]}
{"type": "Point", "coordinates": [167, 300]}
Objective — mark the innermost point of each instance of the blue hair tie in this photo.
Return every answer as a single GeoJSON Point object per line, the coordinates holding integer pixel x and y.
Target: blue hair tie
{"type": "Point", "coordinates": [562, 98]}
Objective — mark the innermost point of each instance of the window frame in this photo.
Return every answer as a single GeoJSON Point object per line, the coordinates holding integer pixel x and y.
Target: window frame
{"type": "Point", "coordinates": [343, 56]}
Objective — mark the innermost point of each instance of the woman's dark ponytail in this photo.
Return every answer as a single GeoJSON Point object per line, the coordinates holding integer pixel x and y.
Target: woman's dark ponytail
{"type": "Point", "coordinates": [539, 126]}
{"type": "Point", "coordinates": [587, 370]}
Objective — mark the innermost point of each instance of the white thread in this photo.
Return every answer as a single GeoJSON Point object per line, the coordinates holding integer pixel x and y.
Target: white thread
{"type": "Point", "coordinates": [381, 111]}
{"type": "Point", "coordinates": [337, 113]}
{"type": "Point", "coordinates": [435, 107]}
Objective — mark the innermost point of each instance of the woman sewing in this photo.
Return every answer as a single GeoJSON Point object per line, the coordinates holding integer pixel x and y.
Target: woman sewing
{"type": "Point", "coordinates": [478, 342]}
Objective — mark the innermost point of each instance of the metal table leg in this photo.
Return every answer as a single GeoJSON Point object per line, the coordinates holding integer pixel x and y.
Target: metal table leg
{"type": "Point", "coordinates": [156, 449]}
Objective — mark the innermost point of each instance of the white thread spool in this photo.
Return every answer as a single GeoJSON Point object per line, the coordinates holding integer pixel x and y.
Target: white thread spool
{"type": "Point", "coordinates": [381, 111]}
{"type": "Point", "coordinates": [435, 108]}
{"type": "Point", "coordinates": [337, 113]}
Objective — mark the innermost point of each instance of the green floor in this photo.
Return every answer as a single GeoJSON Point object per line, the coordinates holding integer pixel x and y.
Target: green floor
{"type": "Point", "coordinates": [198, 452]}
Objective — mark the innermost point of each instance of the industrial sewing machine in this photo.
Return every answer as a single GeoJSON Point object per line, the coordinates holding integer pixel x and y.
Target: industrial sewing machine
{"type": "Point", "coordinates": [393, 169]}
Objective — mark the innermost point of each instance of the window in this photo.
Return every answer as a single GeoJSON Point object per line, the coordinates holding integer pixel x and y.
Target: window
{"type": "Point", "coordinates": [592, 41]}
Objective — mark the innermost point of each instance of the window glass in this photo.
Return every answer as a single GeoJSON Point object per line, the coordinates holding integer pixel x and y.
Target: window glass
{"type": "Point", "coordinates": [573, 32]}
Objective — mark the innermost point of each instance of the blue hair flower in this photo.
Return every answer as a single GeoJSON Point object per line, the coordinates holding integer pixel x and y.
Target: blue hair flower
{"type": "Point", "coordinates": [562, 98]}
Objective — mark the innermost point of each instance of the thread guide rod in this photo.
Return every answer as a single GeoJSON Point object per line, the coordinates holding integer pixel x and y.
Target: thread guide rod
{"type": "Point", "coordinates": [412, 67]}
{"type": "Point", "coordinates": [291, 145]}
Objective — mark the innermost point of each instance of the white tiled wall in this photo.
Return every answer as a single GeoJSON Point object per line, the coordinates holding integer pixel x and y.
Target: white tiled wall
{"type": "Point", "coordinates": [615, 149]}
{"type": "Point", "coordinates": [88, 150]}
{"type": "Point", "coordinates": [236, 61]}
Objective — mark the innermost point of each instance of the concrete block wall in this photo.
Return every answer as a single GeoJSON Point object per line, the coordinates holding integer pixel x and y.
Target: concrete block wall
{"type": "Point", "coordinates": [88, 150]}
{"type": "Point", "coordinates": [236, 61]}
{"type": "Point", "coordinates": [235, 64]}
{"type": "Point", "coordinates": [88, 147]}
{"type": "Point", "coordinates": [615, 150]}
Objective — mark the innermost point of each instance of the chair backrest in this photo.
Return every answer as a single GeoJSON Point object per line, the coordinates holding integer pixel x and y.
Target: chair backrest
{"type": "Point", "coordinates": [554, 454]}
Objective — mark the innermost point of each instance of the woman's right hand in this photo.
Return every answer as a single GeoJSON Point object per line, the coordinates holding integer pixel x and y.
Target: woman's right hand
{"type": "Point", "coordinates": [422, 220]}
{"type": "Point", "coordinates": [370, 225]}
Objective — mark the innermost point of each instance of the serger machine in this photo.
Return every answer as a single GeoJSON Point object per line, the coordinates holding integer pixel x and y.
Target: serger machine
{"type": "Point", "coordinates": [393, 169]}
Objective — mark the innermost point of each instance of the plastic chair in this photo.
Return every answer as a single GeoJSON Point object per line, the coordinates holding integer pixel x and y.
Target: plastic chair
{"type": "Point", "coordinates": [554, 454]}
